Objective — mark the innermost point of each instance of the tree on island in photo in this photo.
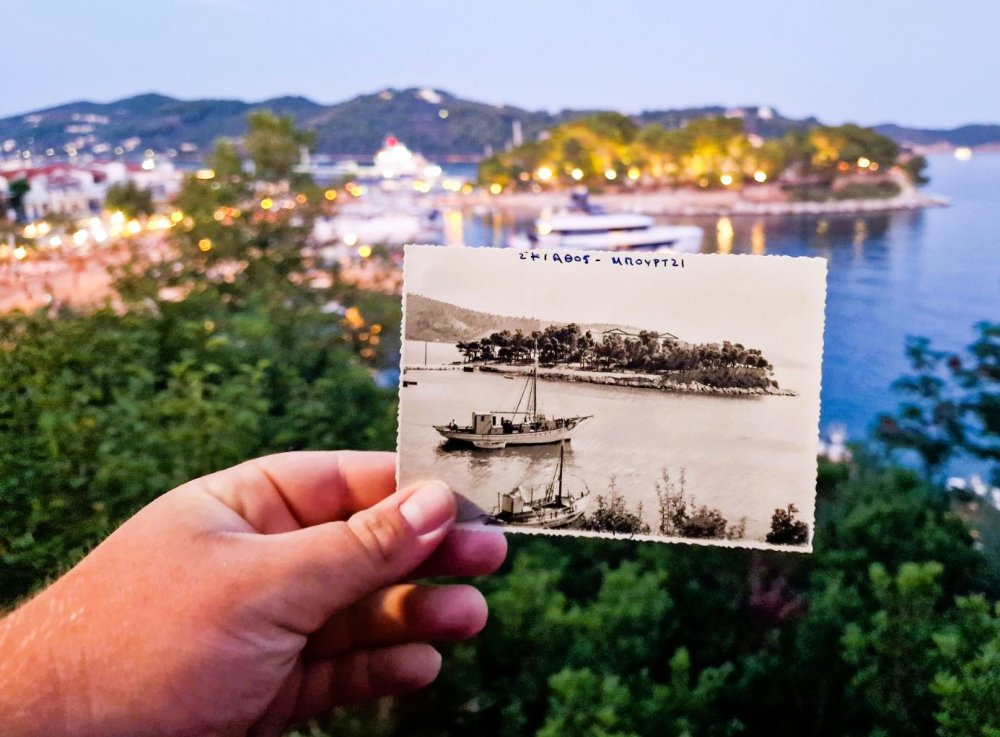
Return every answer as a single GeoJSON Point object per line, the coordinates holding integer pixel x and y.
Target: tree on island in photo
{"type": "Point", "coordinates": [715, 365]}
{"type": "Point", "coordinates": [785, 529]}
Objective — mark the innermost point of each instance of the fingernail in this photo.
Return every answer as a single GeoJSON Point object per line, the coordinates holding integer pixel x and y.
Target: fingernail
{"type": "Point", "coordinates": [429, 507]}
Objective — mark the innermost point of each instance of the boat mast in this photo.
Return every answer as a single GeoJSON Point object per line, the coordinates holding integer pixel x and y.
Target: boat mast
{"type": "Point", "coordinates": [559, 491]}
{"type": "Point", "coordinates": [533, 399]}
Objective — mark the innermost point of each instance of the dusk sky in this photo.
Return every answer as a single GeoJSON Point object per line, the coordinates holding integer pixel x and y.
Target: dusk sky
{"type": "Point", "coordinates": [918, 63]}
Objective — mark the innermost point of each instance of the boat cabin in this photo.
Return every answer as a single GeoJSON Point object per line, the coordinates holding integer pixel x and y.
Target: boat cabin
{"type": "Point", "coordinates": [512, 503]}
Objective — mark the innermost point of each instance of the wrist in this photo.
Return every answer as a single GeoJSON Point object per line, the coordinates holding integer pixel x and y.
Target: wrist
{"type": "Point", "coordinates": [32, 698]}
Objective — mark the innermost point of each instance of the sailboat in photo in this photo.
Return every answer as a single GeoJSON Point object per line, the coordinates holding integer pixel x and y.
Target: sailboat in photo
{"type": "Point", "coordinates": [553, 510]}
{"type": "Point", "coordinates": [497, 429]}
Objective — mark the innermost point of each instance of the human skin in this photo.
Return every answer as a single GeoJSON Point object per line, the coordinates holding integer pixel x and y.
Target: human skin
{"type": "Point", "coordinates": [245, 601]}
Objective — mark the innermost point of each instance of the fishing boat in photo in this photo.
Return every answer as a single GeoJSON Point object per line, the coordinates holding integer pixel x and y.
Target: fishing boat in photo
{"type": "Point", "coordinates": [553, 510]}
{"type": "Point", "coordinates": [497, 429]}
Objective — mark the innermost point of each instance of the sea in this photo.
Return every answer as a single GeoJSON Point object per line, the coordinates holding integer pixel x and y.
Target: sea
{"type": "Point", "coordinates": [932, 273]}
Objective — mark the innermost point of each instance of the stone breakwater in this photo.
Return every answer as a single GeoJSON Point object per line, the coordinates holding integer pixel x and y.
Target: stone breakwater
{"type": "Point", "coordinates": [679, 203]}
{"type": "Point", "coordinates": [639, 381]}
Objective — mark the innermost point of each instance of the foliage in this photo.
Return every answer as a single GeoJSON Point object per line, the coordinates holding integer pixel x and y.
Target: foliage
{"type": "Point", "coordinates": [680, 518]}
{"type": "Point", "coordinates": [17, 190]}
{"type": "Point", "coordinates": [613, 515]}
{"type": "Point", "coordinates": [785, 529]}
{"type": "Point", "coordinates": [953, 403]}
{"type": "Point", "coordinates": [130, 198]}
{"type": "Point", "coordinates": [610, 150]}
{"type": "Point", "coordinates": [716, 365]}
{"type": "Point", "coordinates": [275, 144]}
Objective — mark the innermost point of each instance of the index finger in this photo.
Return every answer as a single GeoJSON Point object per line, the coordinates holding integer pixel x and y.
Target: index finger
{"type": "Point", "coordinates": [289, 491]}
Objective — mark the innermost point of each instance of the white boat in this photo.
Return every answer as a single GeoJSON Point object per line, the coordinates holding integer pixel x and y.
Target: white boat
{"type": "Point", "coordinates": [497, 429]}
{"type": "Point", "coordinates": [553, 510]}
{"type": "Point", "coordinates": [585, 227]}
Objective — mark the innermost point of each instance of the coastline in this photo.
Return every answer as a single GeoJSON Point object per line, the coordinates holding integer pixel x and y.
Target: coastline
{"type": "Point", "coordinates": [608, 378]}
{"type": "Point", "coordinates": [679, 202]}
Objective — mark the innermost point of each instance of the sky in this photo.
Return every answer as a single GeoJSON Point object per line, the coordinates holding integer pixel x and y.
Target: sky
{"type": "Point", "coordinates": [921, 63]}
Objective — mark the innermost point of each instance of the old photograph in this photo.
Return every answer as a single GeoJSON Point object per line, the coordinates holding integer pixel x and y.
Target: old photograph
{"type": "Point", "coordinates": [638, 395]}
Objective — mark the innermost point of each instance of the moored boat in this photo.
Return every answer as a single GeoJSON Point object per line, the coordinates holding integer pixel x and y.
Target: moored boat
{"type": "Point", "coordinates": [586, 227]}
{"type": "Point", "coordinates": [497, 429]}
{"type": "Point", "coordinates": [553, 510]}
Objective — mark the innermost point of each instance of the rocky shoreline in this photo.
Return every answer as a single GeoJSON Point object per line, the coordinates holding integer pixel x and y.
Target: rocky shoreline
{"type": "Point", "coordinates": [676, 203]}
{"type": "Point", "coordinates": [633, 381]}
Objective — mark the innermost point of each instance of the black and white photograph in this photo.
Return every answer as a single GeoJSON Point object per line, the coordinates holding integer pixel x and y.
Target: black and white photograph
{"type": "Point", "coordinates": [648, 396]}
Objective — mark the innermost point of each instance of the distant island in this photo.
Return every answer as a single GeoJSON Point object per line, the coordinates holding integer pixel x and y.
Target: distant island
{"type": "Point", "coordinates": [434, 122]}
{"type": "Point", "coordinates": [595, 354]}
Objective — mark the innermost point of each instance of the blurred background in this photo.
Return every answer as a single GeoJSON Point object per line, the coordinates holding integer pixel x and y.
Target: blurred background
{"type": "Point", "coordinates": [202, 211]}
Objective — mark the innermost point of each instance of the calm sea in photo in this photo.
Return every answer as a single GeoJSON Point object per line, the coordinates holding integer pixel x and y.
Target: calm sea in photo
{"type": "Point", "coordinates": [746, 456]}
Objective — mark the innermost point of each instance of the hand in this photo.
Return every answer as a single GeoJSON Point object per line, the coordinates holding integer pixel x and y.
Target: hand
{"type": "Point", "coordinates": [247, 600]}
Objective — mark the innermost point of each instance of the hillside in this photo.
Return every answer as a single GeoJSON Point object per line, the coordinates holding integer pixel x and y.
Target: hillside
{"type": "Point", "coordinates": [433, 122]}
{"type": "Point", "coordinates": [431, 319]}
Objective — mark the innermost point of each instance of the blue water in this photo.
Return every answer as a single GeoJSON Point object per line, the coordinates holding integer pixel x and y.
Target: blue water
{"type": "Point", "coordinates": [933, 273]}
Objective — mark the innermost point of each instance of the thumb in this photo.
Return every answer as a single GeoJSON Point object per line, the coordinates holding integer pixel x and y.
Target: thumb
{"type": "Point", "coordinates": [322, 569]}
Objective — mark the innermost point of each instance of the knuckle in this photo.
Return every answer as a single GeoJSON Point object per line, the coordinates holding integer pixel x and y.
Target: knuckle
{"type": "Point", "coordinates": [379, 535]}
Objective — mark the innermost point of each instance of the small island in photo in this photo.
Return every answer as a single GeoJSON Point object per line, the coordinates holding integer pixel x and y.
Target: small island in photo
{"type": "Point", "coordinates": [657, 412]}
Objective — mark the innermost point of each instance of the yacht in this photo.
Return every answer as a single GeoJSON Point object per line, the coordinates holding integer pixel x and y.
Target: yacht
{"type": "Point", "coordinates": [584, 226]}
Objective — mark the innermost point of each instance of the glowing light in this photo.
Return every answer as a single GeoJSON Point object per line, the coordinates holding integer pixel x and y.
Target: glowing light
{"type": "Point", "coordinates": [44, 228]}
{"type": "Point", "coordinates": [963, 153]}
{"type": "Point", "coordinates": [301, 199]}
{"type": "Point", "coordinates": [544, 173]}
{"type": "Point", "coordinates": [350, 239]}
{"type": "Point", "coordinates": [376, 329]}
{"type": "Point", "coordinates": [267, 203]}
{"type": "Point", "coordinates": [205, 174]}
{"type": "Point", "coordinates": [364, 251]}
{"type": "Point", "coordinates": [724, 235]}
{"type": "Point", "coordinates": [496, 188]}
{"type": "Point", "coordinates": [726, 179]}
{"type": "Point", "coordinates": [205, 245]}
{"type": "Point", "coordinates": [420, 185]}
{"type": "Point", "coordinates": [219, 214]}
{"type": "Point", "coordinates": [118, 218]}
{"type": "Point", "coordinates": [134, 227]}
{"type": "Point", "coordinates": [80, 237]}
{"type": "Point", "coordinates": [634, 173]}
{"type": "Point", "coordinates": [176, 216]}
{"type": "Point", "coordinates": [433, 171]}
{"type": "Point", "coordinates": [760, 176]}
{"type": "Point", "coordinates": [467, 188]}
{"type": "Point", "coordinates": [353, 317]}
{"type": "Point", "coordinates": [610, 175]}
{"type": "Point", "coordinates": [577, 174]}
{"type": "Point", "coordinates": [544, 228]}
{"type": "Point", "coordinates": [30, 230]}
{"type": "Point", "coordinates": [442, 114]}
{"type": "Point", "coordinates": [148, 165]}
{"type": "Point", "coordinates": [330, 194]}
{"type": "Point", "coordinates": [20, 253]}
{"type": "Point", "coordinates": [864, 162]}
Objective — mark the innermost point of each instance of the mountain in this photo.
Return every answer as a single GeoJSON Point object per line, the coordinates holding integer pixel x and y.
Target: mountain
{"type": "Point", "coordinates": [973, 136]}
{"type": "Point", "coordinates": [434, 122]}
